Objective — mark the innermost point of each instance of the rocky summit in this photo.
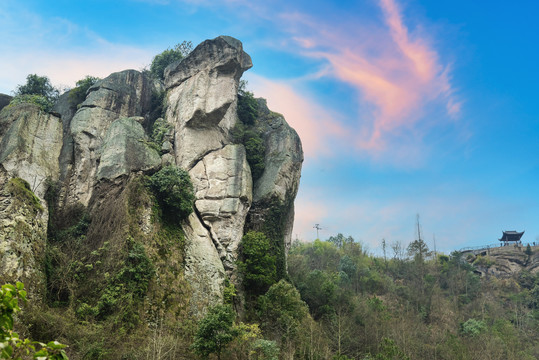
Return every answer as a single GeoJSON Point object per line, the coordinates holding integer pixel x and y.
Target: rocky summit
{"type": "Point", "coordinates": [76, 172]}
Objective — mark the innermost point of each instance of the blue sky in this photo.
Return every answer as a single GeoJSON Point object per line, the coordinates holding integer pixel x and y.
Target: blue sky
{"type": "Point", "coordinates": [403, 106]}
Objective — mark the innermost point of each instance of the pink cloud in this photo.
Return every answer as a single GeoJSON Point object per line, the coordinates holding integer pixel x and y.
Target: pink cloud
{"type": "Point", "coordinates": [315, 125]}
{"type": "Point", "coordinates": [395, 73]}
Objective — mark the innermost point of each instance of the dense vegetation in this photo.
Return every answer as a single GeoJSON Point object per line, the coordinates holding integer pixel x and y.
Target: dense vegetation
{"type": "Point", "coordinates": [247, 131]}
{"type": "Point", "coordinates": [167, 57]}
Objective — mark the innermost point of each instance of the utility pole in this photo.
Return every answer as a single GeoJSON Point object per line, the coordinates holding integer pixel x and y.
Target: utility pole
{"type": "Point", "coordinates": [318, 228]}
{"type": "Point", "coordinates": [418, 229]}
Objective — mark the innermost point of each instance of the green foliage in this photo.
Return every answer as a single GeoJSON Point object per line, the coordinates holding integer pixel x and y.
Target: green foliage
{"type": "Point", "coordinates": [173, 189]}
{"type": "Point", "coordinates": [281, 310]}
{"type": "Point", "coordinates": [128, 286]}
{"type": "Point", "coordinates": [11, 345]}
{"type": "Point", "coordinates": [229, 292]}
{"type": "Point", "coordinates": [247, 107]}
{"type": "Point", "coordinates": [528, 250]}
{"type": "Point", "coordinates": [167, 57]}
{"type": "Point", "coordinates": [246, 133]}
{"type": "Point", "coordinates": [215, 331]}
{"type": "Point", "coordinates": [263, 349]}
{"type": "Point", "coordinates": [78, 94]}
{"type": "Point", "coordinates": [258, 264]}
{"type": "Point", "coordinates": [472, 327]}
{"type": "Point", "coordinates": [20, 189]}
{"type": "Point", "coordinates": [160, 128]}
{"type": "Point", "coordinates": [38, 85]}
{"type": "Point", "coordinates": [41, 101]}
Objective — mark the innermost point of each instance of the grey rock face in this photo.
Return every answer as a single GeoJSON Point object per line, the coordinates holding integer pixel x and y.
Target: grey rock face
{"type": "Point", "coordinates": [223, 191]}
{"type": "Point", "coordinates": [202, 97]}
{"type": "Point", "coordinates": [126, 149]}
{"type": "Point", "coordinates": [31, 146]}
{"type": "Point", "coordinates": [202, 100]}
{"type": "Point", "coordinates": [66, 111]}
{"type": "Point", "coordinates": [279, 182]}
{"type": "Point", "coordinates": [4, 100]}
{"type": "Point", "coordinates": [23, 234]}
{"type": "Point", "coordinates": [203, 268]}
{"type": "Point", "coordinates": [123, 94]}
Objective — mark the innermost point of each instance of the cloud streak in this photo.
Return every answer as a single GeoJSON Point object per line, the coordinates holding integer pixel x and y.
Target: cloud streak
{"type": "Point", "coordinates": [395, 74]}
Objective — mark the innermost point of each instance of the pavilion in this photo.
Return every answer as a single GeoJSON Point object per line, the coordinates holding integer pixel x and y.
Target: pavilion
{"type": "Point", "coordinates": [511, 237]}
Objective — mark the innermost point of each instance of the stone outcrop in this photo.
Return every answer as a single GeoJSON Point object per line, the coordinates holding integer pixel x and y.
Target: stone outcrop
{"type": "Point", "coordinates": [31, 145]}
{"type": "Point", "coordinates": [4, 100]}
{"type": "Point", "coordinates": [123, 94]}
{"type": "Point", "coordinates": [223, 191]}
{"type": "Point", "coordinates": [92, 153]}
{"type": "Point", "coordinates": [202, 97]}
{"type": "Point", "coordinates": [505, 261]}
{"type": "Point", "coordinates": [202, 101]}
{"type": "Point", "coordinates": [23, 235]}
{"type": "Point", "coordinates": [125, 149]}
{"type": "Point", "coordinates": [279, 183]}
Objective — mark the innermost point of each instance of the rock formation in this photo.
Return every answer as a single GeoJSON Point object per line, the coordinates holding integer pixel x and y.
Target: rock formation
{"type": "Point", "coordinates": [94, 152]}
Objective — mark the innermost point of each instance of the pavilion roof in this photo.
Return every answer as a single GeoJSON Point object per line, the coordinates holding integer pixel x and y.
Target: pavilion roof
{"type": "Point", "coordinates": [511, 236]}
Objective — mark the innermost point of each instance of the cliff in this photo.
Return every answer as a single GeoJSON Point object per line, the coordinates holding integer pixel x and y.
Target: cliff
{"type": "Point", "coordinates": [77, 214]}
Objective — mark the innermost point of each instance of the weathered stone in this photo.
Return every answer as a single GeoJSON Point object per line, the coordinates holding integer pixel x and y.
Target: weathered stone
{"type": "Point", "coordinates": [23, 234]}
{"type": "Point", "coordinates": [4, 100]}
{"type": "Point", "coordinates": [202, 97]}
{"type": "Point", "coordinates": [66, 110]}
{"type": "Point", "coordinates": [505, 261]}
{"type": "Point", "coordinates": [223, 192]}
{"type": "Point", "coordinates": [203, 268]}
{"type": "Point", "coordinates": [279, 183]}
{"type": "Point", "coordinates": [31, 146]}
{"type": "Point", "coordinates": [125, 149]}
{"type": "Point", "coordinates": [122, 94]}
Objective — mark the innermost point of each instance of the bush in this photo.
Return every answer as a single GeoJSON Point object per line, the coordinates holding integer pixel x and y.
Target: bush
{"type": "Point", "coordinates": [167, 57]}
{"type": "Point", "coordinates": [258, 265]}
{"type": "Point", "coordinates": [472, 327]}
{"type": "Point", "coordinates": [13, 347]}
{"type": "Point", "coordinates": [38, 85]}
{"type": "Point", "coordinates": [39, 100]}
{"type": "Point", "coordinates": [215, 332]}
{"type": "Point", "coordinates": [78, 94]}
{"type": "Point", "coordinates": [174, 191]}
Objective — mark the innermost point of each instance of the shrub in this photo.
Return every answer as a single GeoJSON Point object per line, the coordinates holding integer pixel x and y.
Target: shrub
{"type": "Point", "coordinates": [13, 347]}
{"type": "Point", "coordinates": [174, 191]}
{"type": "Point", "coordinates": [167, 57]}
{"type": "Point", "coordinates": [472, 327]}
{"type": "Point", "coordinates": [78, 94]}
{"type": "Point", "coordinates": [39, 100]}
{"type": "Point", "coordinates": [258, 265]}
{"type": "Point", "coordinates": [215, 331]}
{"type": "Point", "coordinates": [247, 107]}
{"type": "Point", "coordinates": [38, 85]}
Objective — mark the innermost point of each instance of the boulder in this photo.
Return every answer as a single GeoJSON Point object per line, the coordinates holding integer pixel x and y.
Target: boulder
{"type": "Point", "coordinates": [4, 100]}
{"type": "Point", "coordinates": [274, 192]}
{"type": "Point", "coordinates": [31, 146]}
{"type": "Point", "coordinates": [23, 235]}
{"type": "Point", "coordinates": [125, 149]}
{"type": "Point", "coordinates": [202, 96]}
{"type": "Point", "coordinates": [123, 94]}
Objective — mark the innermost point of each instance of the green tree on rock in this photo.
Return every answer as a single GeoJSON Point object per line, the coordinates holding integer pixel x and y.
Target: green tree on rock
{"type": "Point", "coordinates": [167, 57]}
{"type": "Point", "coordinates": [258, 265]}
{"type": "Point", "coordinates": [215, 331]}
